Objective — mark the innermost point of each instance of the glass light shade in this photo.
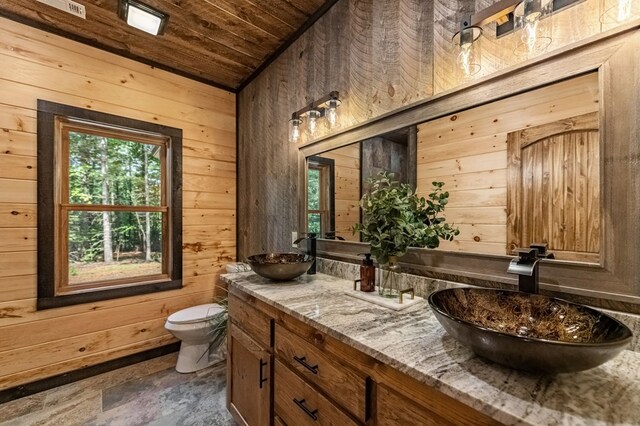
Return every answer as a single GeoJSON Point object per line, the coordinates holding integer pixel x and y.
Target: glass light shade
{"type": "Point", "coordinates": [619, 11]}
{"type": "Point", "coordinates": [331, 113]}
{"type": "Point", "coordinates": [533, 27]}
{"type": "Point", "coordinates": [467, 42]}
{"type": "Point", "coordinates": [312, 122]}
{"type": "Point", "coordinates": [294, 130]}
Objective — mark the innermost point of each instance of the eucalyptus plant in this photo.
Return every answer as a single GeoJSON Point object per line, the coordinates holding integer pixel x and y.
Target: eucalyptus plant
{"type": "Point", "coordinates": [395, 218]}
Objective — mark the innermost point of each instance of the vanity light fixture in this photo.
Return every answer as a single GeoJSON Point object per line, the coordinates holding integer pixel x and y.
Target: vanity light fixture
{"type": "Point", "coordinates": [618, 11]}
{"type": "Point", "coordinates": [142, 16]}
{"type": "Point", "coordinates": [529, 17]}
{"type": "Point", "coordinates": [325, 107]}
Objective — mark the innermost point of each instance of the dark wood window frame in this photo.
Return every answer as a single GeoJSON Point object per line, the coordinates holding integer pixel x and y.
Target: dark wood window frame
{"type": "Point", "coordinates": [327, 216]}
{"type": "Point", "coordinates": [49, 115]}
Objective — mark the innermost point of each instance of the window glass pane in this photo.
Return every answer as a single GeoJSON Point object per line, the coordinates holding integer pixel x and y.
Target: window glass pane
{"type": "Point", "coordinates": [314, 223]}
{"type": "Point", "coordinates": [113, 171]}
{"type": "Point", "coordinates": [113, 245]}
{"type": "Point", "coordinates": [313, 189]}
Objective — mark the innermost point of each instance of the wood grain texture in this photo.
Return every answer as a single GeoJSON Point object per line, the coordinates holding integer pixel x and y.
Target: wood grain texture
{"type": "Point", "coordinates": [553, 199]}
{"type": "Point", "coordinates": [377, 54]}
{"type": "Point", "coordinates": [222, 42]}
{"type": "Point", "coordinates": [39, 344]}
{"type": "Point", "coordinates": [330, 375]}
{"type": "Point", "coordinates": [468, 151]}
{"type": "Point", "coordinates": [347, 189]}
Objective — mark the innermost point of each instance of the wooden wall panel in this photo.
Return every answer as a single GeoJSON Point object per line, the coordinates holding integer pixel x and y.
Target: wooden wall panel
{"type": "Point", "coordinates": [380, 56]}
{"type": "Point", "coordinates": [38, 344]}
{"type": "Point", "coordinates": [468, 152]}
{"type": "Point", "coordinates": [347, 189]}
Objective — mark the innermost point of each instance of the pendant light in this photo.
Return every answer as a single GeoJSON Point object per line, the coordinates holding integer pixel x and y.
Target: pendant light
{"type": "Point", "coordinates": [294, 128]}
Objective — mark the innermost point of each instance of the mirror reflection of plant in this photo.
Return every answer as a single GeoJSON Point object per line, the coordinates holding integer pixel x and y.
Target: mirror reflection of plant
{"type": "Point", "coordinates": [395, 218]}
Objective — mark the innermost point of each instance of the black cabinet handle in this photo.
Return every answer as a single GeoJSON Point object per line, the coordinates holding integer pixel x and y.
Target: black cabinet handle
{"type": "Point", "coordinates": [303, 361]}
{"type": "Point", "coordinates": [262, 379]}
{"type": "Point", "coordinates": [311, 413]}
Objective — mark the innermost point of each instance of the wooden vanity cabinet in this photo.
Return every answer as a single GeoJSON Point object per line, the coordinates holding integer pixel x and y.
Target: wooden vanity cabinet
{"type": "Point", "coordinates": [284, 372]}
{"type": "Point", "coordinates": [249, 365]}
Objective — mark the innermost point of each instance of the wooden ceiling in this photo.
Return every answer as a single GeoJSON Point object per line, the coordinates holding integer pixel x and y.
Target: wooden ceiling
{"type": "Point", "coordinates": [222, 42]}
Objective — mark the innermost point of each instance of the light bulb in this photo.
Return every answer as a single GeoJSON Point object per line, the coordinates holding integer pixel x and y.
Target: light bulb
{"type": "Point", "coordinates": [464, 60]}
{"type": "Point", "coordinates": [624, 10]}
{"type": "Point", "coordinates": [294, 134]}
{"type": "Point", "coordinates": [332, 112]}
{"type": "Point", "coordinates": [618, 11]}
{"type": "Point", "coordinates": [530, 32]}
{"type": "Point", "coordinates": [312, 123]}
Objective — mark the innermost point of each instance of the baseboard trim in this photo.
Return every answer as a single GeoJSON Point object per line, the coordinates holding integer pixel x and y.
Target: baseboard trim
{"type": "Point", "coordinates": [83, 373]}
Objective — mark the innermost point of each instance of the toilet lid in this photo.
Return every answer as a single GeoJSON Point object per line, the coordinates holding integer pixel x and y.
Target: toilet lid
{"type": "Point", "coordinates": [195, 314]}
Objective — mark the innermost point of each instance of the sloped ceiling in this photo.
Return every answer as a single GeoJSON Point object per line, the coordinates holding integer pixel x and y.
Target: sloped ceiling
{"type": "Point", "coordinates": [217, 41]}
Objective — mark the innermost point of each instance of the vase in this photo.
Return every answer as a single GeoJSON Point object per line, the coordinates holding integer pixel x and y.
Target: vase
{"type": "Point", "coordinates": [390, 277]}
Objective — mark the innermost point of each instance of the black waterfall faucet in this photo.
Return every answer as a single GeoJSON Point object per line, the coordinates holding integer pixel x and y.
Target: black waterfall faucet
{"type": "Point", "coordinates": [311, 249]}
{"type": "Point", "coordinates": [526, 266]}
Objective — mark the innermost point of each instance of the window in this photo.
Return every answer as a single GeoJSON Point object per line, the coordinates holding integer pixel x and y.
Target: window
{"type": "Point", "coordinates": [320, 197]}
{"type": "Point", "coordinates": [109, 206]}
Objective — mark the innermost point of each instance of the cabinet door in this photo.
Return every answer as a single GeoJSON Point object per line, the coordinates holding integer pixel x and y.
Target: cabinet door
{"type": "Point", "coordinates": [396, 410]}
{"type": "Point", "coordinates": [249, 380]}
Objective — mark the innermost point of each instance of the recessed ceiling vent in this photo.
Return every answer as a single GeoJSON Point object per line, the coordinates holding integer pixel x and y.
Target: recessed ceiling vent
{"type": "Point", "coordinates": [68, 6]}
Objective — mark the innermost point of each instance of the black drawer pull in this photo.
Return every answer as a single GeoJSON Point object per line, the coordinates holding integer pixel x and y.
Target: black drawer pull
{"type": "Point", "coordinates": [300, 403]}
{"type": "Point", "coordinates": [262, 379]}
{"type": "Point", "coordinates": [303, 361]}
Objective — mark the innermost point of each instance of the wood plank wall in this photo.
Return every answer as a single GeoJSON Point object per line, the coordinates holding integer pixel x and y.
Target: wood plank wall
{"type": "Point", "coordinates": [37, 344]}
{"type": "Point", "coordinates": [380, 56]}
{"type": "Point", "coordinates": [347, 189]}
{"type": "Point", "coordinates": [468, 152]}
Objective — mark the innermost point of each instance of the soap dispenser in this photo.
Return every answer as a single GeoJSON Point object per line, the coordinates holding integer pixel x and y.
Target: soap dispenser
{"type": "Point", "coordinates": [367, 273]}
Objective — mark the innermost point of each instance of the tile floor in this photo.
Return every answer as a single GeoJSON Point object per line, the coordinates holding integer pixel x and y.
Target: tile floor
{"type": "Point", "coordinates": [148, 393]}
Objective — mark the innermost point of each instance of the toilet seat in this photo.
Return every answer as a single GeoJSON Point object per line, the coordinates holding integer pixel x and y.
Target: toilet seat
{"type": "Point", "coordinates": [195, 314]}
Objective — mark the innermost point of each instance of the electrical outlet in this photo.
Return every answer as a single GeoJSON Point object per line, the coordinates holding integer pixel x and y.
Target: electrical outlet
{"type": "Point", "coordinates": [294, 236]}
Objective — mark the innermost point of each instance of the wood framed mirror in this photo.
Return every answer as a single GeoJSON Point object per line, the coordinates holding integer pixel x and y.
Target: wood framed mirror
{"type": "Point", "coordinates": [612, 274]}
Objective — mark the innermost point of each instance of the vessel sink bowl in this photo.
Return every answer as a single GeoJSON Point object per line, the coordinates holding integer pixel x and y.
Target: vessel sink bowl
{"type": "Point", "coordinates": [529, 332]}
{"type": "Point", "coordinates": [280, 266]}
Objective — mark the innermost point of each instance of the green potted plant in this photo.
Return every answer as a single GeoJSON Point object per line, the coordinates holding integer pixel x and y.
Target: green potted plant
{"type": "Point", "coordinates": [395, 218]}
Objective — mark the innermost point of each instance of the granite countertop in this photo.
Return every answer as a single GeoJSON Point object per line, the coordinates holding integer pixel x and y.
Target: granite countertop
{"type": "Point", "coordinates": [413, 342]}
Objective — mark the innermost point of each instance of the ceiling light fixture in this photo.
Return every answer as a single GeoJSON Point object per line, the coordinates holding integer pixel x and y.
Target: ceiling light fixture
{"type": "Point", "coordinates": [142, 16]}
{"type": "Point", "coordinates": [326, 107]}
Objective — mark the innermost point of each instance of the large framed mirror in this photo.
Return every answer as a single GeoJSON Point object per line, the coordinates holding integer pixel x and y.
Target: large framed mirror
{"type": "Point", "coordinates": [521, 170]}
{"type": "Point", "coordinates": [544, 152]}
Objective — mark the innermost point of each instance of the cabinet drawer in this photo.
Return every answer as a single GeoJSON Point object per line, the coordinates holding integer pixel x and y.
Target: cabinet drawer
{"type": "Point", "coordinates": [297, 403]}
{"type": "Point", "coordinates": [394, 409]}
{"type": "Point", "coordinates": [344, 385]}
{"type": "Point", "coordinates": [255, 323]}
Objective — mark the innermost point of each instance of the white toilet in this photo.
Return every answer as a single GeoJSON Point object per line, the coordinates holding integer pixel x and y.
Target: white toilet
{"type": "Point", "coordinates": [191, 325]}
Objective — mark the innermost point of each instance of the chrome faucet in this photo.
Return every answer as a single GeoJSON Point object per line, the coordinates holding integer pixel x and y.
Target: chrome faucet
{"type": "Point", "coordinates": [311, 249]}
{"type": "Point", "coordinates": [526, 266]}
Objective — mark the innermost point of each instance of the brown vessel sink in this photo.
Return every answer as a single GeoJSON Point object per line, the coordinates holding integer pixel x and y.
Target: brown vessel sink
{"type": "Point", "coordinates": [529, 331]}
{"type": "Point", "coordinates": [280, 266]}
